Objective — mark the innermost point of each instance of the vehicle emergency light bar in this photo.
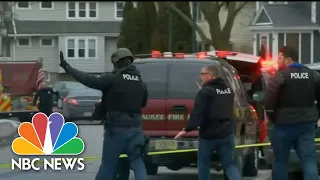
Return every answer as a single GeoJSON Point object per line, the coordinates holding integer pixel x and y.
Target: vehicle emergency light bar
{"type": "Point", "coordinates": [200, 55]}
{"type": "Point", "coordinates": [268, 63]}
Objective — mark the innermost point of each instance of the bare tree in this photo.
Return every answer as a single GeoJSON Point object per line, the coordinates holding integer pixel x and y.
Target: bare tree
{"type": "Point", "coordinates": [219, 35]}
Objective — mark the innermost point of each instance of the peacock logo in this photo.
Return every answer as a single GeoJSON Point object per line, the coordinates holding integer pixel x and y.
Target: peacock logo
{"type": "Point", "coordinates": [48, 136]}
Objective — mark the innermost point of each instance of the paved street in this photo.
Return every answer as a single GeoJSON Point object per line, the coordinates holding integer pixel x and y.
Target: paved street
{"type": "Point", "coordinates": [92, 136]}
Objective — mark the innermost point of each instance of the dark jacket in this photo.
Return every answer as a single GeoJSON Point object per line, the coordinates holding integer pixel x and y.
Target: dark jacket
{"type": "Point", "coordinates": [212, 111]}
{"type": "Point", "coordinates": [290, 115]}
{"type": "Point", "coordinates": [104, 82]}
{"type": "Point", "coordinates": [46, 96]}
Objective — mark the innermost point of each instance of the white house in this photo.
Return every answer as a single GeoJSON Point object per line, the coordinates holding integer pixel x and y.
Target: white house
{"type": "Point", "coordinates": [85, 31]}
{"type": "Point", "coordinates": [296, 23]}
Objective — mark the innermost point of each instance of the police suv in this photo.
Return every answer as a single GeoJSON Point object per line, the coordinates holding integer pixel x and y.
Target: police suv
{"type": "Point", "coordinates": [173, 81]}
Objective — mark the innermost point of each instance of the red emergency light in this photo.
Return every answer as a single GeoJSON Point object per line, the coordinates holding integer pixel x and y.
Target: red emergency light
{"type": "Point", "coordinates": [179, 55]}
{"type": "Point", "coordinates": [224, 54]}
{"type": "Point", "coordinates": [156, 54]}
{"type": "Point", "coordinates": [201, 55]}
{"type": "Point", "coordinates": [268, 63]}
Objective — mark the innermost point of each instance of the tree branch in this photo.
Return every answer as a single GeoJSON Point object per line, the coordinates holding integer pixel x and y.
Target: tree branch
{"type": "Point", "coordinates": [221, 4]}
{"type": "Point", "coordinates": [233, 11]}
{"type": "Point", "coordinates": [241, 6]}
{"type": "Point", "coordinates": [201, 33]}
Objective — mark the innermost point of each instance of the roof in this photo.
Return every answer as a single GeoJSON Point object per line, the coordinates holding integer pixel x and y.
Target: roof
{"type": "Point", "coordinates": [65, 27]}
{"type": "Point", "coordinates": [241, 57]}
{"type": "Point", "coordinates": [172, 59]}
{"type": "Point", "coordinates": [282, 15]}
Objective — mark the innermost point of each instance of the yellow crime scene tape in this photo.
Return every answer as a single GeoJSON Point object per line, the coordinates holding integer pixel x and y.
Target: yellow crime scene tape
{"type": "Point", "coordinates": [94, 158]}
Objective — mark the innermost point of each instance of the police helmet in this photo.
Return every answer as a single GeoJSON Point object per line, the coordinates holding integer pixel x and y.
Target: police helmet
{"type": "Point", "coordinates": [121, 53]}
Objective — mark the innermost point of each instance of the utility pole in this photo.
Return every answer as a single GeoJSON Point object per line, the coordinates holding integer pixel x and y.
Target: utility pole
{"type": "Point", "coordinates": [170, 31]}
{"type": "Point", "coordinates": [195, 10]}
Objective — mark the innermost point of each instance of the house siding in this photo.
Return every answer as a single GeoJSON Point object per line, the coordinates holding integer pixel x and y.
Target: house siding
{"type": "Point", "coordinates": [110, 47]}
{"type": "Point", "coordinates": [106, 12]}
{"type": "Point", "coordinates": [305, 48]}
{"type": "Point", "coordinates": [316, 52]}
{"type": "Point", "coordinates": [241, 36]}
{"type": "Point", "coordinates": [88, 65]}
{"type": "Point", "coordinates": [36, 51]}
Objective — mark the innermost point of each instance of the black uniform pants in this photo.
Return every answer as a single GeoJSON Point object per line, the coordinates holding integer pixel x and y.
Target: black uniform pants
{"type": "Point", "coordinates": [46, 111]}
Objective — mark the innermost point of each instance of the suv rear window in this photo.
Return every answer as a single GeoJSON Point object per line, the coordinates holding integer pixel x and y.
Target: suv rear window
{"type": "Point", "coordinates": [155, 76]}
{"type": "Point", "coordinates": [235, 84]}
{"type": "Point", "coordinates": [184, 80]}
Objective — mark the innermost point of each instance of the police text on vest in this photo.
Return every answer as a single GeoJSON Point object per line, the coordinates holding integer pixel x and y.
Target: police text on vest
{"type": "Point", "coordinates": [223, 91]}
{"type": "Point", "coordinates": [299, 75]}
{"type": "Point", "coordinates": [130, 77]}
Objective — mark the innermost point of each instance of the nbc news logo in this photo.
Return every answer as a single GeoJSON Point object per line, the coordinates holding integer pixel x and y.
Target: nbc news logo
{"type": "Point", "coordinates": [48, 136]}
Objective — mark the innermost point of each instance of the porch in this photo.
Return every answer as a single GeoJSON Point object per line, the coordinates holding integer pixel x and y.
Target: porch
{"type": "Point", "coordinates": [305, 41]}
{"type": "Point", "coordinates": [275, 26]}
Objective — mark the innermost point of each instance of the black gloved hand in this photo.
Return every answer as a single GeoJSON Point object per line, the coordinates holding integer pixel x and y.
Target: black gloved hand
{"type": "Point", "coordinates": [63, 62]}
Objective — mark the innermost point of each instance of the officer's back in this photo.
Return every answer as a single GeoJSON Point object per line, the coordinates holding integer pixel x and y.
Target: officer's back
{"type": "Point", "coordinates": [217, 121]}
{"type": "Point", "coordinates": [45, 96]}
{"type": "Point", "coordinates": [124, 95]}
{"type": "Point", "coordinates": [125, 98]}
{"type": "Point", "coordinates": [298, 95]}
{"type": "Point", "coordinates": [213, 112]}
{"type": "Point", "coordinates": [290, 103]}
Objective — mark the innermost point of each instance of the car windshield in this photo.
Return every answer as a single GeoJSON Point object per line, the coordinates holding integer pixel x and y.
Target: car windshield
{"type": "Point", "coordinates": [74, 85]}
{"type": "Point", "coordinates": [85, 92]}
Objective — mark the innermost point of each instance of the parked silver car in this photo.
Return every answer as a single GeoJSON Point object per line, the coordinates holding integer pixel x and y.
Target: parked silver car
{"type": "Point", "coordinates": [63, 87]}
{"type": "Point", "coordinates": [79, 104]}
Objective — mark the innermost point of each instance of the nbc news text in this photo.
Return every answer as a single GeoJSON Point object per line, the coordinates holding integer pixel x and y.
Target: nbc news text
{"type": "Point", "coordinates": [56, 164]}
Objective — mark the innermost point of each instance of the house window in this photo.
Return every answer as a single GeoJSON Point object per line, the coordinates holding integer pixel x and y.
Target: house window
{"type": "Point", "coordinates": [23, 5]}
{"type": "Point", "coordinates": [92, 9]}
{"type": "Point", "coordinates": [82, 10]}
{"type": "Point", "coordinates": [46, 42]}
{"type": "Point", "coordinates": [46, 5]}
{"type": "Point", "coordinates": [119, 10]}
{"type": "Point", "coordinates": [203, 47]}
{"type": "Point", "coordinates": [81, 48]}
{"type": "Point", "coordinates": [292, 39]}
{"type": "Point", "coordinates": [24, 42]}
{"type": "Point", "coordinates": [71, 48]}
{"type": "Point", "coordinates": [92, 48]}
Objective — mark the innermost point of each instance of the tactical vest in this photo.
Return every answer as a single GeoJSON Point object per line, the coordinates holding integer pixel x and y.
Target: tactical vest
{"type": "Point", "coordinates": [298, 90]}
{"type": "Point", "coordinates": [222, 104]}
{"type": "Point", "coordinates": [126, 94]}
{"type": "Point", "coordinates": [219, 122]}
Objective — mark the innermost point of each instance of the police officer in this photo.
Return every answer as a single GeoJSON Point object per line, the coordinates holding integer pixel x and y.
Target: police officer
{"type": "Point", "coordinates": [45, 94]}
{"type": "Point", "coordinates": [213, 112]}
{"type": "Point", "coordinates": [290, 105]}
{"type": "Point", "coordinates": [125, 95]}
